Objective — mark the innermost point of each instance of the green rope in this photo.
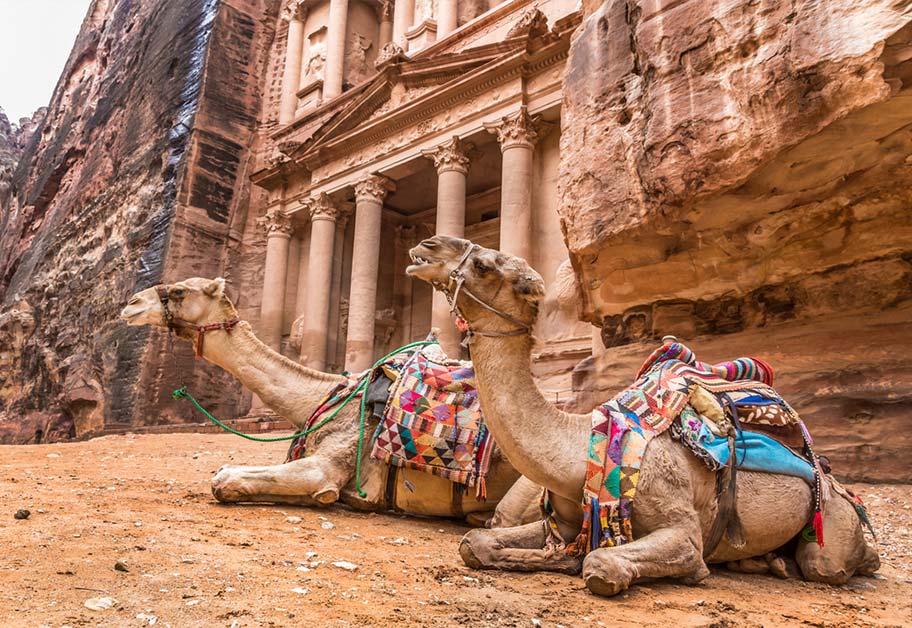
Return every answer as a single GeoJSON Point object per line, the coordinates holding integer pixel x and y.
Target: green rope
{"type": "Point", "coordinates": [183, 393]}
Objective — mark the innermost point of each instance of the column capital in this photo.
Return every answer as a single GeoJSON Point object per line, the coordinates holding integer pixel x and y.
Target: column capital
{"type": "Point", "coordinates": [294, 10]}
{"type": "Point", "coordinates": [386, 10]}
{"type": "Point", "coordinates": [451, 155]}
{"type": "Point", "coordinates": [276, 223]}
{"type": "Point", "coordinates": [518, 129]}
{"type": "Point", "coordinates": [323, 207]}
{"type": "Point", "coordinates": [374, 187]}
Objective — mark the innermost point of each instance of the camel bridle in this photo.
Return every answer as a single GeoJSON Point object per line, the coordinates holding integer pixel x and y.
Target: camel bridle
{"type": "Point", "coordinates": [456, 284]}
{"type": "Point", "coordinates": [174, 323]}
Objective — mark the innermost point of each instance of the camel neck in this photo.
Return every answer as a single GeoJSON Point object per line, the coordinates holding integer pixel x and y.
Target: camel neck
{"type": "Point", "coordinates": [283, 385]}
{"type": "Point", "coordinates": [545, 444]}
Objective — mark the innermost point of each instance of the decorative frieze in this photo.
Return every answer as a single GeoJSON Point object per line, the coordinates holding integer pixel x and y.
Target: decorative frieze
{"type": "Point", "coordinates": [374, 188]}
{"type": "Point", "coordinates": [276, 223]}
{"type": "Point", "coordinates": [519, 129]}
{"type": "Point", "coordinates": [390, 53]}
{"type": "Point", "coordinates": [451, 155]}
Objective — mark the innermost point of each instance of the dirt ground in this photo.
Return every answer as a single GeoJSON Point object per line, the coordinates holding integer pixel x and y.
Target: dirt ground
{"type": "Point", "coordinates": [145, 501]}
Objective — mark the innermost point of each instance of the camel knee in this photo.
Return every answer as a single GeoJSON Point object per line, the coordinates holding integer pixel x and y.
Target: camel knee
{"type": "Point", "coordinates": [476, 549]}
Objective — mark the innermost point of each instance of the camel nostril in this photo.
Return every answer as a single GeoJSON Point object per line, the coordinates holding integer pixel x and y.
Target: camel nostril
{"type": "Point", "coordinates": [133, 301]}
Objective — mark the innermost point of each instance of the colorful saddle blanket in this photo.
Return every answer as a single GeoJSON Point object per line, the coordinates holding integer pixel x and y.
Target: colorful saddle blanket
{"type": "Point", "coordinates": [666, 386]}
{"type": "Point", "coordinates": [433, 421]}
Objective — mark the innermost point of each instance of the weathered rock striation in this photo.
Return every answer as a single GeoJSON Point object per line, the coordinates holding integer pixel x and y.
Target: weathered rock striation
{"type": "Point", "coordinates": [131, 179]}
{"type": "Point", "coordinates": [738, 174]}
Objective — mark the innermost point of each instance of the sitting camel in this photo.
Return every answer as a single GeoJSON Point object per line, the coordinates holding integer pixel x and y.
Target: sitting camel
{"type": "Point", "coordinates": [497, 296]}
{"type": "Point", "coordinates": [326, 472]}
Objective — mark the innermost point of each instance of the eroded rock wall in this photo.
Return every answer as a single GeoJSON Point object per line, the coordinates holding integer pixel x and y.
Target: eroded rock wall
{"type": "Point", "coordinates": [751, 194]}
{"type": "Point", "coordinates": [130, 180]}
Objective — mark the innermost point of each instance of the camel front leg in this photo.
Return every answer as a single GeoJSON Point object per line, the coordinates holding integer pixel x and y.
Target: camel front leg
{"type": "Point", "coordinates": [665, 553]}
{"type": "Point", "coordinates": [520, 505]}
{"type": "Point", "coordinates": [305, 481]}
{"type": "Point", "coordinates": [521, 548]}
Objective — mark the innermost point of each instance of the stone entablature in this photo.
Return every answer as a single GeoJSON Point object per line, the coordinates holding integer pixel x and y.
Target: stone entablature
{"type": "Point", "coordinates": [469, 93]}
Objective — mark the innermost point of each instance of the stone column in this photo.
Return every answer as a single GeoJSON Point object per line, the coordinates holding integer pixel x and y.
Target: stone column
{"type": "Point", "coordinates": [362, 302]}
{"type": "Point", "coordinates": [386, 24]}
{"type": "Point", "coordinates": [323, 215]}
{"type": "Point", "coordinates": [403, 15]}
{"type": "Point", "coordinates": [517, 135]}
{"type": "Point", "coordinates": [278, 228]}
{"type": "Point", "coordinates": [447, 17]}
{"type": "Point", "coordinates": [335, 49]}
{"type": "Point", "coordinates": [294, 50]}
{"type": "Point", "coordinates": [452, 167]}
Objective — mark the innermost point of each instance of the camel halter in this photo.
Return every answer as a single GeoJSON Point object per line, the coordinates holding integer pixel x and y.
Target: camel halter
{"type": "Point", "coordinates": [178, 323]}
{"type": "Point", "coordinates": [457, 276]}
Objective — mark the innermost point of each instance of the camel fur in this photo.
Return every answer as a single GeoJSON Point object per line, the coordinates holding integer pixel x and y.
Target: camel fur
{"type": "Point", "coordinates": [675, 503]}
{"type": "Point", "coordinates": [326, 473]}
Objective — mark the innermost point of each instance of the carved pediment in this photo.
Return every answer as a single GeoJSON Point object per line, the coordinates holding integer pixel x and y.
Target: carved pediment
{"type": "Point", "coordinates": [402, 81]}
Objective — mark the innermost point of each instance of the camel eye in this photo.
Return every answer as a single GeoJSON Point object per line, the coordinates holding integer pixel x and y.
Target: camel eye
{"type": "Point", "coordinates": [177, 292]}
{"type": "Point", "coordinates": [482, 267]}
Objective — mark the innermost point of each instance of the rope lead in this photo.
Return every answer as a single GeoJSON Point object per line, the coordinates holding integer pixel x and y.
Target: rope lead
{"type": "Point", "coordinates": [183, 393]}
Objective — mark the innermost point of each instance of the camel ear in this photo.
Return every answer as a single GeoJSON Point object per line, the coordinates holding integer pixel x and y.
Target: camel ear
{"type": "Point", "coordinates": [215, 288]}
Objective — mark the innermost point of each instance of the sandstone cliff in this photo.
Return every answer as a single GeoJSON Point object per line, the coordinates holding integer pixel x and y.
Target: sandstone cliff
{"type": "Point", "coordinates": [751, 194]}
{"type": "Point", "coordinates": [130, 180]}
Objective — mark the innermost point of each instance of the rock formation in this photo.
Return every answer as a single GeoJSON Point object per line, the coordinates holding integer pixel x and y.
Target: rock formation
{"type": "Point", "coordinates": [130, 179]}
{"type": "Point", "coordinates": [738, 174]}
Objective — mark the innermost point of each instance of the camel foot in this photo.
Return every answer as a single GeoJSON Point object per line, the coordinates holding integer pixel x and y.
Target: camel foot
{"type": "Point", "coordinates": [224, 487]}
{"type": "Point", "coordinates": [770, 563]}
{"type": "Point", "coordinates": [665, 553]}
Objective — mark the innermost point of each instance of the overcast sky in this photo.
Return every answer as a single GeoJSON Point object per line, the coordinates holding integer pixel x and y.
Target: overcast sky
{"type": "Point", "coordinates": [35, 40]}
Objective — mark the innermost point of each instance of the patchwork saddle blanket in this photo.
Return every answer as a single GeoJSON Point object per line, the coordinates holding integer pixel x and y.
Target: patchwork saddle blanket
{"type": "Point", "coordinates": [706, 405]}
{"type": "Point", "coordinates": [433, 421]}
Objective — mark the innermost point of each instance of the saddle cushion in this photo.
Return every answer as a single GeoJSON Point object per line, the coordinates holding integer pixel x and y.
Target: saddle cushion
{"type": "Point", "coordinates": [433, 421]}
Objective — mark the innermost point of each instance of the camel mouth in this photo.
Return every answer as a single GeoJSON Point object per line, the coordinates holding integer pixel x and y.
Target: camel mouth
{"type": "Point", "coordinates": [417, 264]}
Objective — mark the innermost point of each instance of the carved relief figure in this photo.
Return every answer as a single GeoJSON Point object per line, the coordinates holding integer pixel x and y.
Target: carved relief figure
{"type": "Point", "coordinates": [356, 58]}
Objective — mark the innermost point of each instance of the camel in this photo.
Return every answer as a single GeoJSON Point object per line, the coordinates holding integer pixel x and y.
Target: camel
{"type": "Point", "coordinates": [498, 296]}
{"type": "Point", "coordinates": [326, 473]}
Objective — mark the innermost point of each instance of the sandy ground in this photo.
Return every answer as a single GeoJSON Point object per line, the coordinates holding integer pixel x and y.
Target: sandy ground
{"type": "Point", "coordinates": [145, 501]}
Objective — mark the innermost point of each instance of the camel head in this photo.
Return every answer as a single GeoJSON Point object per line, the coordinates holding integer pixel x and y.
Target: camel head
{"type": "Point", "coordinates": [503, 282]}
{"type": "Point", "coordinates": [196, 300]}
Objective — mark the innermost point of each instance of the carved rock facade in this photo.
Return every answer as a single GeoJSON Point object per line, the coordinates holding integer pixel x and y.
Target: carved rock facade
{"type": "Point", "coordinates": [738, 174]}
{"type": "Point", "coordinates": [130, 180]}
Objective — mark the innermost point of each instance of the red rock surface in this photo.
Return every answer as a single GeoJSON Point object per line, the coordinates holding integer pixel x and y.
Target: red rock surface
{"type": "Point", "coordinates": [131, 179]}
{"type": "Point", "coordinates": [751, 195]}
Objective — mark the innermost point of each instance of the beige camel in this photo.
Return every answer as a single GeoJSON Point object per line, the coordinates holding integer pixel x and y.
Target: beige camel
{"type": "Point", "coordinates": [326, 473]}
{"type": "Point", "coordinates": [676, 500]}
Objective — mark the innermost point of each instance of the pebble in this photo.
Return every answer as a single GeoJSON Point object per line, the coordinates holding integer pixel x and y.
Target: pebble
{"type": "Point", "coordinates": [327, 525]}
{"type": "Point", "coordinates": [301, 590]}
{"type": "Point", "coordinates": [100, 603]}
{"type": "Point", "coordinates": [22, 513]}
{"type": "Point", "coordinates": [120, 566]}
{"type": "Point", "coordinates": [293, 519]}
{"type": "Point", "coordinates": [344, 564]}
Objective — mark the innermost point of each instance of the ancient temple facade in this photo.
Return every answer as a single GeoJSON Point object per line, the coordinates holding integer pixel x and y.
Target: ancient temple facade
{"type": "Point", "coordinates": [384, 124]}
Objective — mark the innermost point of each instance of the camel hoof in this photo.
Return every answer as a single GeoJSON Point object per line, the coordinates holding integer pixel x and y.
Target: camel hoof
{"type": "Point", "coordinates": [598, 585]}
{"type": "Point", "coordinates": [221, 485]}
{"type": "Point", "coordinates": [467, 551]}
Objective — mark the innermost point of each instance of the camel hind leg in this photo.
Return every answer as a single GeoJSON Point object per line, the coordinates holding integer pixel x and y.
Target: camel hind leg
{"type": "Point", "coordinates": [845, 552]}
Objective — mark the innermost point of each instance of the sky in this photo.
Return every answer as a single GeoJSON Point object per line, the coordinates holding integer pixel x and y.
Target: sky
{"type": "Point", "coordinates": [35, 41]}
